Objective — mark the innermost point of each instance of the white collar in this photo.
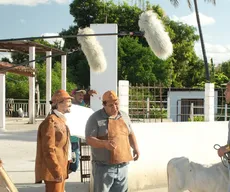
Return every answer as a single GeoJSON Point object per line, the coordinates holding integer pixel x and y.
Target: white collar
{"type": "Point", "coordinates": [60, 114]}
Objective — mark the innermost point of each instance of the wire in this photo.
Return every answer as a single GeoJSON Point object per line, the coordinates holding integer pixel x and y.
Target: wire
{"type": "Point", "coordinates": [15, 80]}
{"type": "Point", "coordinates": [122, 33]}
{"type": "Point", "coordinates": [41, 58]}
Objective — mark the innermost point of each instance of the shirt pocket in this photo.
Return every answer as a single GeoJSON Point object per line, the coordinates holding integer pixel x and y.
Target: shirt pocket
{"type": "Point", "coordinates": [102, 128]}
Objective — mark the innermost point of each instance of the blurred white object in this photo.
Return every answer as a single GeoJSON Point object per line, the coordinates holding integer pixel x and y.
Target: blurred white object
{"type": "Point", "coordinates": [155, 34]}
{"type": "Point", "coordinates": [76, 120]}
{"type": "Point", "coordinates": [20, 112]}
{"type": "Point", "coordinates": [92, 50]}
{"type": "Point", "coordinates": [184, 175]}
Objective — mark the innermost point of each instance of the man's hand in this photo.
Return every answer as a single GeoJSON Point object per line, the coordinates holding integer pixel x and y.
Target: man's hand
{"type": "Point", "coordinates": [221, 151]}
{"type": "Point", "coordinates": [110, 145]}
{"type": "Point", "coordinates": [59, 179]}
{"type": "Point", "coordinates": [136, 154]}
{"type": "Point", "coordinates": [91, 92]}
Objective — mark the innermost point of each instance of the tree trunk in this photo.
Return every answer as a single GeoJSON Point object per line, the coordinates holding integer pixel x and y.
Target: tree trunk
{"type": "Point", "coordinates": [202, 42]}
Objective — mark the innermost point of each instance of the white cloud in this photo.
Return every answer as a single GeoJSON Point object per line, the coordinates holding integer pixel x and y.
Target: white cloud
{"type": "Point", "coordinates": [30, 2]}
{"type": "Point", "coordinates": [191, 19]}
{"type": "Point", "coordinates": [219, 53]}
{"type": "Point", "coordinates": [52, 40]}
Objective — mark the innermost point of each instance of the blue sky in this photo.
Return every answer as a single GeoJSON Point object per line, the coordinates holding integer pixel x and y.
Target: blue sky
{"type": "Point", "coordinates": [24, 18]}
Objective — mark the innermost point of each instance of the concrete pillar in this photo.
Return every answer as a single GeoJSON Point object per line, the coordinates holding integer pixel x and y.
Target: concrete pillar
{"type": "Point", "coordinates": [32, 87]}
{"type": "Point", "coordinates": [209, 102]}
{"type": "Point", "coordinates": [2, 101]}
{"type": "Point", "coordinates": [124, 95]}
{"type": "Point", "coordinates": [48, 81]}
{"type": "Point", "coordinates": [107, 80]}
{"type": "Point", "coordinates": [168, 106]}
{"type": "Point", "coordinates": [63, 72]}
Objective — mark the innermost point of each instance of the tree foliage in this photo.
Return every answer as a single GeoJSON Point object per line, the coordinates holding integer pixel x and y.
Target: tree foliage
{"type": "Point", "coordinates": [17, 86]}
{"type": "Point", "coordinates": [136, 62]}
{"type": "Point", "coordinates": [225, 68]}
{"type": "Point", "coordinates": [135, 58]}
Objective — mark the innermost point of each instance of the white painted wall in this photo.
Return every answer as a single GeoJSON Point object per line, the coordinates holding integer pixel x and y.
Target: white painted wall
{"type": "Point", "coordinates": [174, 96]}
{"type": "Point", "coordinates": [124, 95]}
{"type": "Point", "coordinates": [159, 142]}
{"type": "Point", "coordinates": [102, 82]}
{"type": "Point", "coordinates": [2, 101]}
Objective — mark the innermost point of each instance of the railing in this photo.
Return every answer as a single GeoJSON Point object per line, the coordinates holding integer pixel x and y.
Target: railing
{"type": "Point", "coordinates": [150, 104]}
{"type": "Point", "coordinates": [14, 105]}
{"type": "Point", "coordinates": [220, 115]}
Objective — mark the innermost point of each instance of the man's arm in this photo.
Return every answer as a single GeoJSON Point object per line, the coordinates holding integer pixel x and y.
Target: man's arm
{"type": "Point", "coordinates": [133, 144]}
{"type": "Point", "coordinates": [132, 137]}
{"type": "Point", "coordinates": [98, 143]}
{"type": "Point", "coordinates": [91, 136]}
{"type": "Point", "coordinates": [133, 141]}
{"type": "Point", "coordinates": [95, 142]}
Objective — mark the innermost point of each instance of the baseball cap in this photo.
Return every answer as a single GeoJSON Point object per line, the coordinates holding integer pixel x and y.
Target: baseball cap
{"type": "Point", "coordinates": [78, 91]}
{"type": "Point", "coordinates": [109, 96]}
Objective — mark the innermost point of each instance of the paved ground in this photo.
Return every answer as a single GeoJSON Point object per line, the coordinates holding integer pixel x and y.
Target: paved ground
{"type": "Point", "coordinates": [17, 150]}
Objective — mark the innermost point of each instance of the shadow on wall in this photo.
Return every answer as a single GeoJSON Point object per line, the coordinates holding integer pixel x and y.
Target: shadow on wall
{"type": "Point", "coordinates": [29, 136]}
{"type": "Point", "coordinates": [70, 187]}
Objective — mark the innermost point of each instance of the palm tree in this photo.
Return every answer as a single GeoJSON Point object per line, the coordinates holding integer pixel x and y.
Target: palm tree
{"type": "Point", "coordinates": [176, 3]}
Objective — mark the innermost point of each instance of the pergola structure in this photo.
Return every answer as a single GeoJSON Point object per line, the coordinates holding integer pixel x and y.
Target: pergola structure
{"type": "Point", "coordinates": [31, 48]}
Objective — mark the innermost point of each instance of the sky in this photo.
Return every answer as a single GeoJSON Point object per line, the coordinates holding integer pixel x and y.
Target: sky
{"type": "Point", "coordinates": [27, 18]}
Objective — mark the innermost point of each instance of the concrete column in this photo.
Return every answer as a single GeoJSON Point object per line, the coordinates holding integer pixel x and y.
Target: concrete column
{"type": "Point", "coordinates": [124, 95]}
{"type": "Point", "coordinates": [168, 106]}
{"type": "Point", "coordinates": [209, 102]}
{"type": "Point", "coordinates": [2, 101]}
{"type": "Point", "coordinates": [32, 87]}
{"type": "Point", "coordinates": [107, 80]}
{"type": "Point", "coordinates": [63, 72]}
{"type": "Point", "coordinates": [48, 81]}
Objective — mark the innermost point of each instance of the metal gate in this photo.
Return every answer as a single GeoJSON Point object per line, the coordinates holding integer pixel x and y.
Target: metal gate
{"type": "Point", "coordinates": [186, 105]}
{"type": "Point", "coordinates": [84, 161]}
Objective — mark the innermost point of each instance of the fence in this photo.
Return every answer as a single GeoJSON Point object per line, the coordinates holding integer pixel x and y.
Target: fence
{"type": "Point", "coordinates": [12, 106]}
{"type": "Point", "coordinates": [147, 103]}
{"type": "Point", "coordinates": [151, 104]}
{"type": "Point", "coordinates": [156, 103]}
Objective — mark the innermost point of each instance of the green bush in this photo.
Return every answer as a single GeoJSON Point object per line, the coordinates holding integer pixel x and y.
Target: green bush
{"type": "Point", "coordinates": [197, 118]}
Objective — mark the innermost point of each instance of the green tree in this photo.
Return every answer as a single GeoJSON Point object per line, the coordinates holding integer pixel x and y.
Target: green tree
{"type": "Point", "coordinates": [176, 69]}
{"type": "Point", "coordinates": [225, 68]}
{"type": "Point", "coordinates": [139, 65]}
{"type": "Point", "coordinates": [184, 59]}
{"type": "Point", "coordinates": [5, 59]}
{"type": "Point", "coordinates": [56, 79]}
{"type": "Point", "coordinates": [17, 86]}
{"type": "Point", "coordinates": [176, 3]}
{"type": "Point", "coordinates": [19, 58]}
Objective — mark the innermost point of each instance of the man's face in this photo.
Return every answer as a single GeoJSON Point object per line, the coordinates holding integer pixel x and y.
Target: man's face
{"type": "Point", "coordinates": [227, 93]}
{"type": "Point", "coordinates": [64, 106]}
{"type": "Point", "coordinates": [79, 97]}
{"type": "Point", "coordinates": [112, 108]}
